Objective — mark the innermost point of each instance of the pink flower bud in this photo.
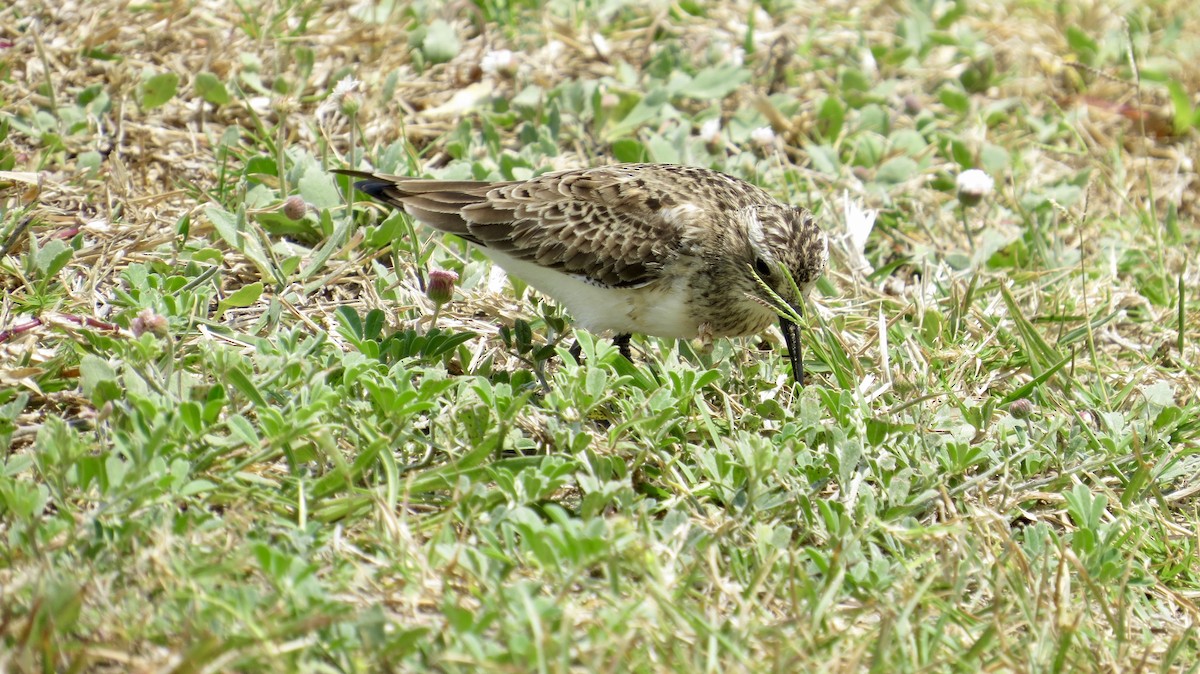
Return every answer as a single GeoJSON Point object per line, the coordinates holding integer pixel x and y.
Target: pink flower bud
{"type": "Point", "coordinates": [294, 208]}
{"type": "Point", "coordinates": [148, 321]}
{"type": "Point", "coordinates": [1021, 408]}
{"type": "Point", "coordinates": [441, 286]}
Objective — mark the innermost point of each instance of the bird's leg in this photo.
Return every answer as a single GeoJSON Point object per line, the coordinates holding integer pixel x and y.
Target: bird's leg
{"type": "Point", "coordinates": [622, 343]}
{"type": "Point", "coordinates": [705, 335]}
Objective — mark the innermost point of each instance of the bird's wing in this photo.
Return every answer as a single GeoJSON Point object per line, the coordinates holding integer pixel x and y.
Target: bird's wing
{"type": "Point", "coordinates": [614, 226]}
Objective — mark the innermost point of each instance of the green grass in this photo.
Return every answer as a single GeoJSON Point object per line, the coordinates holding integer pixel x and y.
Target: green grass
{"type": "Point", "coordinates": [234, 439]}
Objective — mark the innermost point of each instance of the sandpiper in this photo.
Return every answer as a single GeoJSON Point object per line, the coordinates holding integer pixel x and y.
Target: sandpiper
{"type": "Point", "coordinates": [658, 249]}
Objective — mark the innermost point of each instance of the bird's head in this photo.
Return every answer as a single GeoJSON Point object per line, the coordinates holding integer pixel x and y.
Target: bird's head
{"type": "Point", "coordinates": [787, 253]}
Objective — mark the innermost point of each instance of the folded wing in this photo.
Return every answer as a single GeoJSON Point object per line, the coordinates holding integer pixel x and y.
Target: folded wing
{"type": "Point", "coordinates": [607, 225]}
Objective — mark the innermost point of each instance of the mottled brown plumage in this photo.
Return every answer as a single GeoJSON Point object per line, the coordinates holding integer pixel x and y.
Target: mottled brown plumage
{"type": "Point", "coordinates": [659, 249]}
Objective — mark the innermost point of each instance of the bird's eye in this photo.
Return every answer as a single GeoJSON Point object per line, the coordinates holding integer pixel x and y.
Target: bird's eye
{"type": "Point", "coordinates": [763, 269]}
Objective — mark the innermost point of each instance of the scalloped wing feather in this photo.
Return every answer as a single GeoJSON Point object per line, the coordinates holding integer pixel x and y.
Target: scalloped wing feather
{"type": "Point", "coordinates": [608, 225]}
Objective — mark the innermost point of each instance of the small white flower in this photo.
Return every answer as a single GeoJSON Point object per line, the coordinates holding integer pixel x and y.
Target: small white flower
{"type": "Point", "coordinates": [344, 87]}
{"type": "Point", "coordinates": [498, 62]}
{"type": "Point", "coordinates": [973, 185]}
{"type": "Point", "coordinates": [343, 97]}
{"type": "Point", "coordinates": [763, 136]}
{"type": "Point", "coordinates": [497, 280]}
{"type": "Point", "coordinates": [710, 131]}
{"type": "Point", "coordinates": [859, 223]}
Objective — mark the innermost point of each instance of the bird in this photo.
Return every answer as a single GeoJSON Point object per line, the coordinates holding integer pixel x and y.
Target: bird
{"type": "Point", "coordinates": [664, 250]}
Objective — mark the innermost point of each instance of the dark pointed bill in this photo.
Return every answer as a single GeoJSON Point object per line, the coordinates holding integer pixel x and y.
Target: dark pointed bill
{"type": "Point", "coordinates": [791, 336]}
{"type": "Point", "coordinates": [789, 317]}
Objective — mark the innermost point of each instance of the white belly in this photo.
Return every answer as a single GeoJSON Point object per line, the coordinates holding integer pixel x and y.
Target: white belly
{"type": "Point", "coordinates": [658, 309]}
